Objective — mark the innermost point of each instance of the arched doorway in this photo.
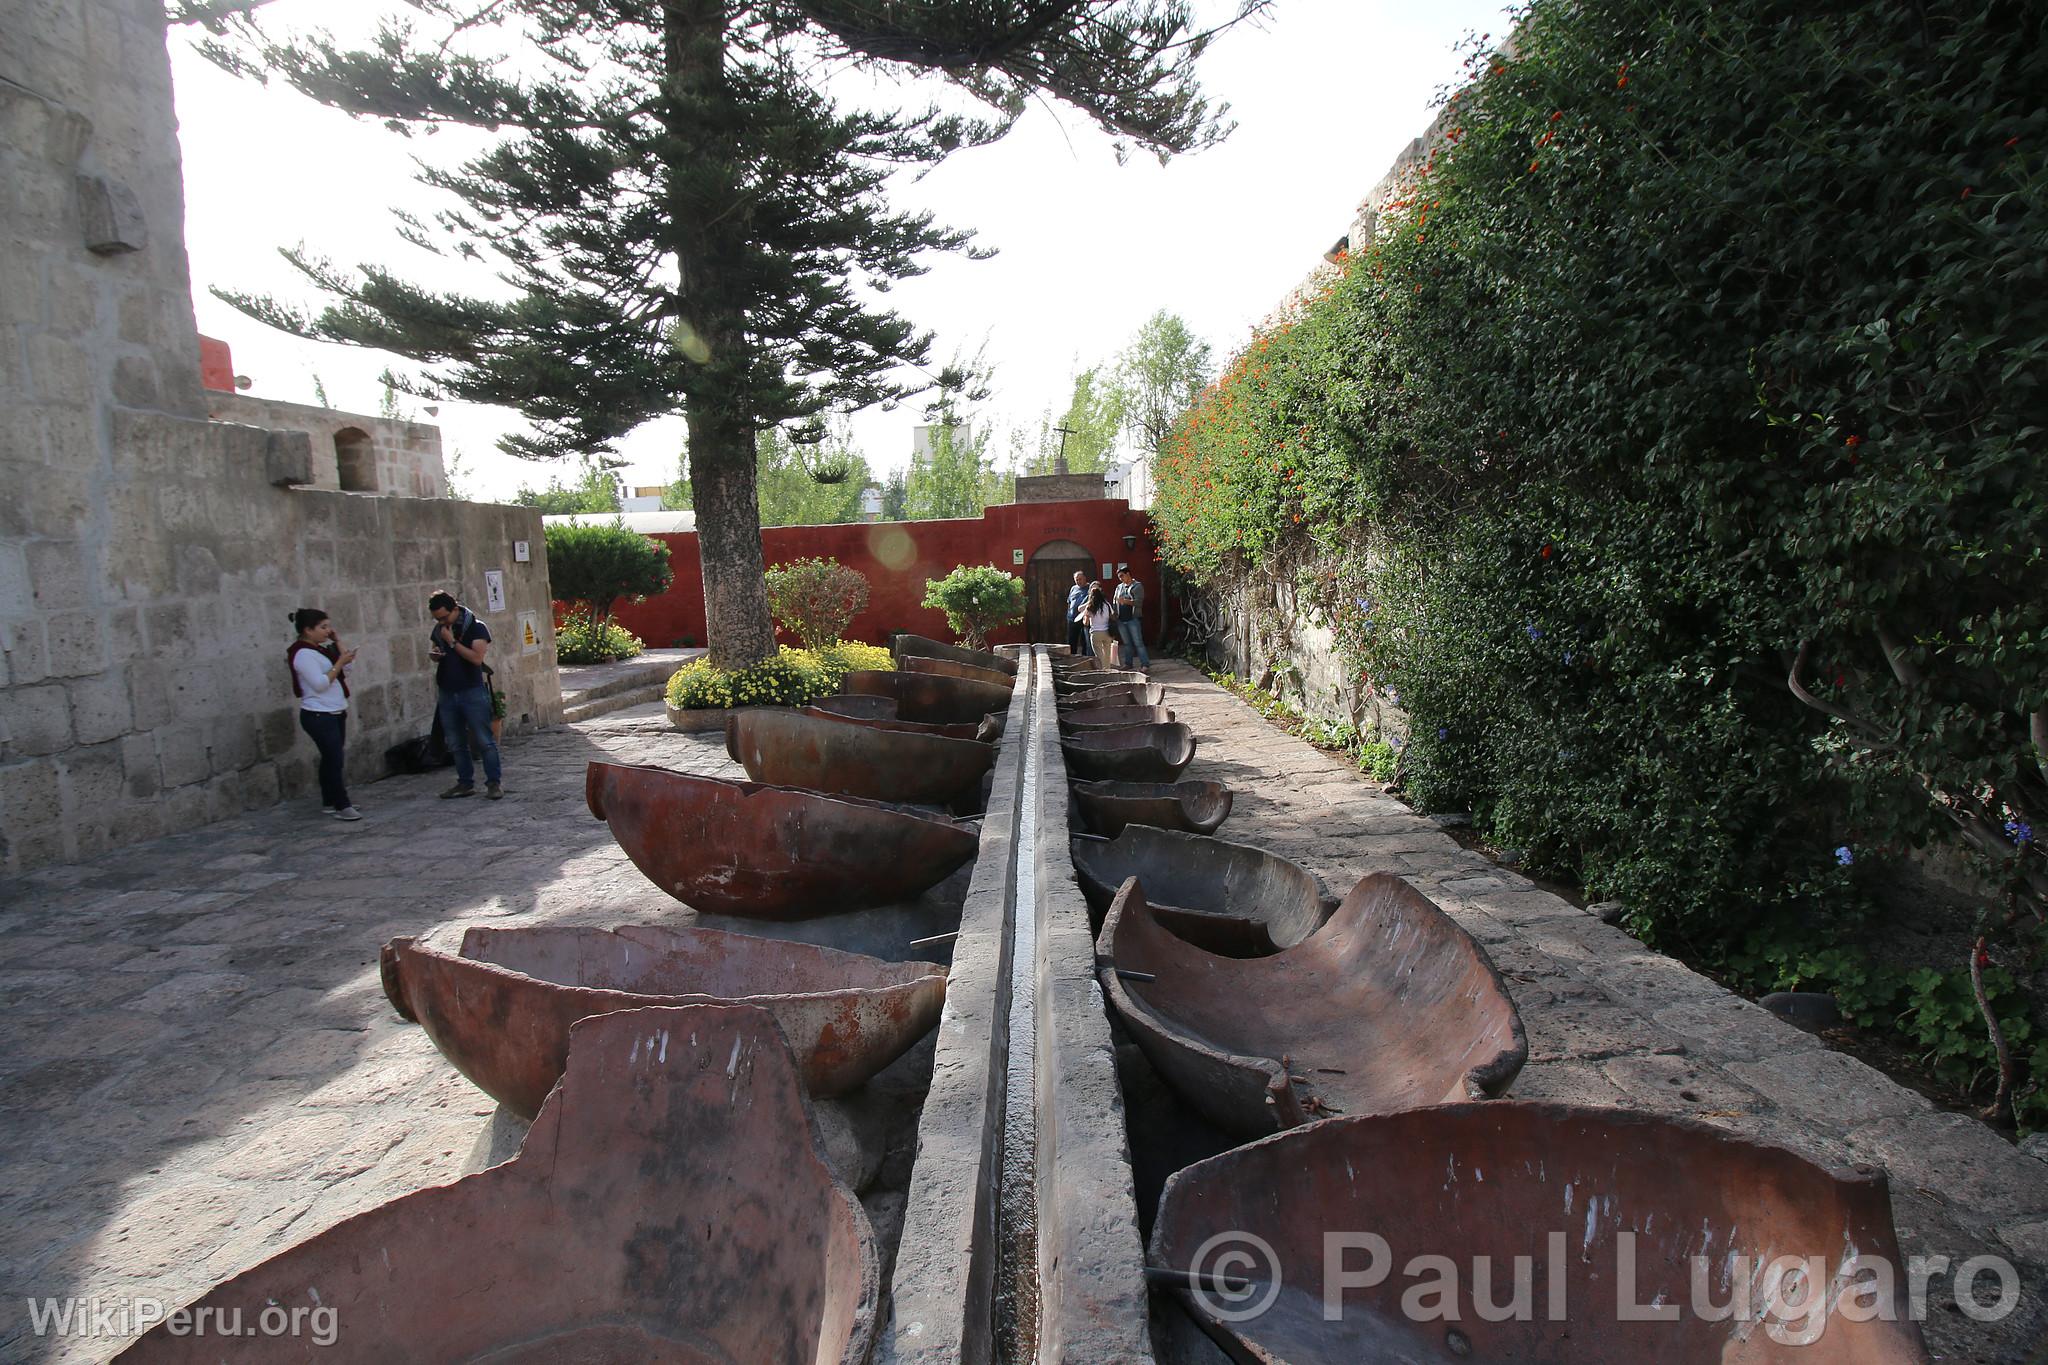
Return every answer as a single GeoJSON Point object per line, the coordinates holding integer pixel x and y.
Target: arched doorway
{"type": "Point", "coordinates": [355, 460]}
{"type": "Point", "coordinates": [1046, 580]}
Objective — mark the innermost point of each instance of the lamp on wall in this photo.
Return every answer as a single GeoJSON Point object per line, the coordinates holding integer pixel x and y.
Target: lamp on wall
{"type": "Point", "coordinates": [1340, 250]}
{"type": "Point", "coordinates": [1130, 542]}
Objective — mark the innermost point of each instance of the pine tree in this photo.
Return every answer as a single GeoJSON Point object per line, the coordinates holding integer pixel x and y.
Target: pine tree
{"type": "Point", "coordinates": [688, 215]}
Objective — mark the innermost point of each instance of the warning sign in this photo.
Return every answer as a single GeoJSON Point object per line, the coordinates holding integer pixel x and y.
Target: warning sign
{"type": "Point", "coordinates": [529, 633]}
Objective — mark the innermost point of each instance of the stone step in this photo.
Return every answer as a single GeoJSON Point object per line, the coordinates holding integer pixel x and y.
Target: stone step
{"type": "Point", "coordinates": [586, 707]}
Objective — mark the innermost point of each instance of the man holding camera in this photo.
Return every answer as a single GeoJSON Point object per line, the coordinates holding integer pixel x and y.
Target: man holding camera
{"type": "Point", "coordinates": [457, 648]}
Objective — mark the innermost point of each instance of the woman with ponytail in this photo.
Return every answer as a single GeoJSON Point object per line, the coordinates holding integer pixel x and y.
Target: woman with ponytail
{"type": "Point", "coordinates": [319, 668]}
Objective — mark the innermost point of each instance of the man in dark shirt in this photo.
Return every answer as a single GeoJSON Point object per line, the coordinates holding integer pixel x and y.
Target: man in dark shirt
{"type": "Point", "coordinates": [1130, 619]}
{"type": "Point", "coordinates": [1077, 630]}
{"type": "Point", "coordinates": [457, 648]}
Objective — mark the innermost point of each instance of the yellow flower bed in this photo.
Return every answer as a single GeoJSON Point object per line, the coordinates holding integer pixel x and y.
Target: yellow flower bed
{"type": "Point", "coordinates": [792, 678]}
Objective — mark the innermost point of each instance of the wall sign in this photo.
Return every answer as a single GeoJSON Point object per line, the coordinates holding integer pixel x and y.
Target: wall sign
{"type": "Point", "coordinates": [1108, 570]}
{"type": "Point", "coordinates": [522, 553]}
{"type": "Point", "coordinates": [529, 633]}
{"type": "Point", "coordinates": [1016, 556]}
{"type": "Point", "coordinates": [494, 590]}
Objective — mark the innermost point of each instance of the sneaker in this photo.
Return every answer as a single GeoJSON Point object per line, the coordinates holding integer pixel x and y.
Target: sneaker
{"type": "Point", "coordinates": [327, 810]}
{"type": "Point", "coordinates": [493, 790]}
{"type": "Point", "coordinates": [348, 813]}
{"type": "Point", "coordinates": [459, 789]}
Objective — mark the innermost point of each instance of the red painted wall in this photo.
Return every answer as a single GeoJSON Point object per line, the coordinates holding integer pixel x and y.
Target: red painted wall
{"type": "Point", "coordinates": [216, 365]}
{"type": "Point", "coordinates": [898, 556]}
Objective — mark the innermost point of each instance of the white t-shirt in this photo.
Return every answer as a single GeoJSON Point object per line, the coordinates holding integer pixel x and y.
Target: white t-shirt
{"type": "Point", "coordinates": [316, 693]}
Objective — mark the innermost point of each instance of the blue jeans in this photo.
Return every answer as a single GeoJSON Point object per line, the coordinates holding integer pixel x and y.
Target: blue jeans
{"type": "Point", "coordinates": [329, 732]}
{"type": "Point", "coordinates": [1132, 634]}
{"type": "Point", "coordinates": [461, 713]}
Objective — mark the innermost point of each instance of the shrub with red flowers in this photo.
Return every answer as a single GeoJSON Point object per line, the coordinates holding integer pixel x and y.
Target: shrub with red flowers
{"type": "Point", "coordinates": [1674, 447]}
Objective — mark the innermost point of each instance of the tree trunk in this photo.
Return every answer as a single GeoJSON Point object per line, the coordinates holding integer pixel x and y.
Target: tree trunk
{"type": "Point", "coordinates": [737, 626]}
{"type": "Point", "coordinates": [708, 219]}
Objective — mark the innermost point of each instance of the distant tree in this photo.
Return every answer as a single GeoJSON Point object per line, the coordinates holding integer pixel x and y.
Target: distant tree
{"type": "Point", "coordinates": [1094, 418]}
{"type": "Point", "coordinates": [596, 491]}
{"type": "Point", "coordinates": [1158, 375]}
{"type": "Point", "coordinates": [685, 213]}
{"type": "Point", "coordinates": [953, 478]}
{"type": "Point", "coordinates": [594, 566]}
{"type": "Point", "coordinates": [896, 496]}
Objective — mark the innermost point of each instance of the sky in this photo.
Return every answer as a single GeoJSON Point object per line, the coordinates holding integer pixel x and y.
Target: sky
{"type": "Point", "coordinates": [1325, 94]}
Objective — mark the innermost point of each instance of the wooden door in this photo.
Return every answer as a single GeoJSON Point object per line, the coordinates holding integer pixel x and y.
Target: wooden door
{"type": "Point", "coordinates": [1045, 597]}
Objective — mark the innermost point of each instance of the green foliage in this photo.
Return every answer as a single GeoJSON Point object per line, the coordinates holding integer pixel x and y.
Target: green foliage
{"type": "Point", "coordinates": [596, 491]}
{"type": "Point", "coordinates": [786, 480]}
{"type": "Point", "coordinates": [977, 598]}
{"type": "Point", "coordinates": [594, 566]}
{"type": "Point", "coordinates": [793, 677]}
{"type": "Point", "coordinates": [816, 599]}
{"type": "Point", "coordinates": [580, 639]}
{"type": "Point", "coordinates": [1678, 352]}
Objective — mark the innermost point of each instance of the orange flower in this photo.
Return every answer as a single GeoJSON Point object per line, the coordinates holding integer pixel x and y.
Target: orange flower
{"type": "Point", "coordinates": [1853, 441]}
{"type": "Point", "coordinates": [1533, 165]}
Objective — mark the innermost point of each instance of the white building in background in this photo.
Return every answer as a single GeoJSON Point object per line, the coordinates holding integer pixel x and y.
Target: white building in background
{"type": "Point", "coordinates": [646, 523]}
{"type": "Point", "coordinates": [1129, 478]}
{"type": "Point", "coordinates": [644, 499]}
{"type": "Point", "coordinates": [923, 438]}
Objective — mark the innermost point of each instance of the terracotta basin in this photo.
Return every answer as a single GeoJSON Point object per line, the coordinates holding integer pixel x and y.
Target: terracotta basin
{"type": "Point", "coordinates": [1133, 753]}
{"type": "Point", "coordinates": [1191, 807]}
{"type": "Point", "coordinates": [928, 698]}
{"type": "Point", "coordinates": [948, 668]}
{"type": "Point", "coordinates": [501, 1009]}
{"type": "Point", "coordinates": [1066, 684]}
{"type": "Point", "coordinates": [1113, 694]}
{"type": "Point", "coordinates": [923, 646]}
{"type": "Point", "coordinates": [1113, 718]}
{"type": "Point", "coordinates": [1272, 903]}
{"type": "Point", "coordinates": [745, 848]}
{"type": "Point", "coordinates": [1559, 1186]}
{"type": "Point", "coordinates": [1389, 1005]}
{"type": "Point", "coordinates": [856, 760]}
{"type": "Point", "coordinates": [880, 713]}
{"type": "Point", "coordinates": [670, 1206]}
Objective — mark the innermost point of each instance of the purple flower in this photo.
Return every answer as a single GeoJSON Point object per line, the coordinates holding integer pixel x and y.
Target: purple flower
{"type": "Point", "coordinates": [1534, 632]}
{"type": "Point", "coordinates": [1844, 856]}
{"type": "Point", "coordinates": [1396, 742]}
{"type": "Point", "coordinates": [2020, 832]}
{"type": "Point", "coordinates": [1393, 697]}
{"type": "Point", "coordinates": [1442, 733]}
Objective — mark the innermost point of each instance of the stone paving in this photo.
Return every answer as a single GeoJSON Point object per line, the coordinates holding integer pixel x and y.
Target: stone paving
{"type": "Point", "coordinates": [205, 1069]}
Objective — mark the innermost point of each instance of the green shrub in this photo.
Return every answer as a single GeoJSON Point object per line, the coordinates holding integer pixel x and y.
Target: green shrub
{"type": "Point", "coordinates": [580, 640]}
{"type": "Point", "coordinates": [594, 566]}
{"type": "Point", "coordinates": [977, 598]}
{"type": "Point", "coordinates": [815, 599]}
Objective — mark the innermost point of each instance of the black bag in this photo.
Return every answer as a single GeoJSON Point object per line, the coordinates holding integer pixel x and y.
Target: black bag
{"type": "Point", "coordinates": [421, 755]}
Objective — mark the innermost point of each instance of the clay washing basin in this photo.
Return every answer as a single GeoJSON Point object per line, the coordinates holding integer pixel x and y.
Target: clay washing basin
{"type": "Point", "coordinates": [500, 1010]}
{"type": "Point", "coordinates": [1114, 718]}
{"type": "Point", "coordinates": [923, 646]}
{"type": "Point", "coordinates": [880, 712]}
{"type": "Point", "coordinates": [1113, 694]}
{"type": "Point", "coordinates": [928, 698]}
{"type": "Point", "coordinates": [1555, 1184]}
{"type": "Point", "coordinates": [1249, 902]}
{"type": "Point", "coordinates": [1389, 1005]}
{"type": "Point", "coordinates": [949, 668]}
{"type": "Point", "coordinates": [1132, 753]}
{"type": "Point", "coordinates": [1069, 683]}
{"type": "Point", "coordinates": [792, 750]}
{"type": "Point", "coordinates": [670, 1206]}
{"type": "Point", "coordinates": [1191, 807]}
{"type": "Point", "coordinates": [763, 852]}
